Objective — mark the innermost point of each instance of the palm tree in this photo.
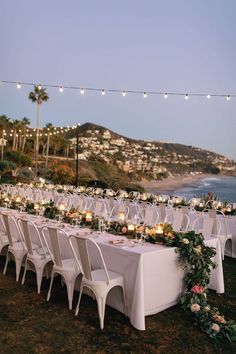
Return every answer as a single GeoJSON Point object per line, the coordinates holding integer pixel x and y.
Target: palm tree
{"type": "Point", "coordinates": [39, 95]}
{"type": "Point", "coordinates": [24, 122]}
{"type": "Point", "coordinates": [16, 123]}
{"type": "Point", "coordinates": [4, 122]}
{"type": "Point", "coordinates": [48, 129]}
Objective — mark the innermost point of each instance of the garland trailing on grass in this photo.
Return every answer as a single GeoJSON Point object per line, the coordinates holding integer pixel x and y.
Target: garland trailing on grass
{"type": "Point", "coordinates": [195, 256]}
{"type": "Point", "coordinates": [197, 261]}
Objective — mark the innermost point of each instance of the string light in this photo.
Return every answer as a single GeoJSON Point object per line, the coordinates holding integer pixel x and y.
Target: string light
{"type": "Point", "coordinates": [186, 96]}
{"type": "Point", "coordinates": [122, 92]}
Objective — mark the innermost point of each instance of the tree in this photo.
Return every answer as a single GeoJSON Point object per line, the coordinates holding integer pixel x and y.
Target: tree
{"type": "Point", "coordinates": [48, 129]}
{"type": "Point", "coordinates": [16, 123]}
{"type": "Point", "coordinates": [24, 122]}
{"type": "Point", "coordinates": [39, 95]}
{"type": "Point", "coordinates": [4, 122]}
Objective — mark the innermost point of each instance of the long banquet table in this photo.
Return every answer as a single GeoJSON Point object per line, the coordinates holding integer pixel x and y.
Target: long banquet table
{"type": "Point", "coordinates": [153, 275]}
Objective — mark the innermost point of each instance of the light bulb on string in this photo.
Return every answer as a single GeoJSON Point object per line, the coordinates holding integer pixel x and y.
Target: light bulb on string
{"type": "Point", "coordinates": [208, 96]}
{"type": "Point", "coordinates": [124, 93]}
{"type": "Point", "coordinates": [40, 87]}
{"type": "Point", "coordinates": [186, 96]}
{"type": "Point", "coordinates": [18, 85]}
{"type": "Point", "coordinates": [61, 89]}
{"type": "Point", "coordinates": [166, 95]}
{"type": "Point", "coordinates": [144, 94]}
{"type": "Point", "coordinates": [82, 91]}
{"type": "Point", "coordinates": [228, 97]}
{"type": "Point", "coordinates": [103, 92]}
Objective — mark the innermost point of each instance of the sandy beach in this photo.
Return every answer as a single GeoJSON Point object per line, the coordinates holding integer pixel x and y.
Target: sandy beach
{"type": "Point", "coordinates": [170, 184]}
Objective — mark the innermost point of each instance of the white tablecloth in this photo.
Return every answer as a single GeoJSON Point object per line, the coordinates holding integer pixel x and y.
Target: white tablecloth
{"type": "Point", "coordinates": [152, 273]}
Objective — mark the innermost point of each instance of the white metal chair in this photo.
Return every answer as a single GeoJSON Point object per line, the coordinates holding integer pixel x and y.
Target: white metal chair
{"type": "Point", "coordinates": [149, 215]}
{"type": "Point", "coordinates": [99, 281]}
{"type": "Point", "coordinates": [223, 234]}
{"type": "Point", "coordinates": [66, 267]}
{"type": "Point", "coordinates": [37, 254]}
{"type": "Point", "coordinates": [178, 220]}
{"type": "Point", "coordinates": [16, 243]}
{"type": "Point", "coordinates": [4, 241]}
{"type": "Point", "coordinates": [207, 224]}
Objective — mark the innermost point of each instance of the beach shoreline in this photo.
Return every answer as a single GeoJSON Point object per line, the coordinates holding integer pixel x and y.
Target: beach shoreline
{"type": "Point", "coordinates": [170, 184]}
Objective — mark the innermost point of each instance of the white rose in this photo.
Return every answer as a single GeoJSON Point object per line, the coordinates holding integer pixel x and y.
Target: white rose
{"type": "Point", "coordinates": [207, 308]}
{"type": "Point", "coordinates": [185, 241]}
{"type": "Point", "coordinates": [215, 327]}
{"type": "Point", "coordinates": [195, 307]}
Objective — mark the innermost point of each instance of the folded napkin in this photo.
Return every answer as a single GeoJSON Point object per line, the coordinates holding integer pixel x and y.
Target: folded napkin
{"type": "Point", "coordinates": [116, 242]}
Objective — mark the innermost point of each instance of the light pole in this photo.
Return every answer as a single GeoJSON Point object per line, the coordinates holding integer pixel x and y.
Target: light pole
{"type": "Point", "coordinates": [77, 157]}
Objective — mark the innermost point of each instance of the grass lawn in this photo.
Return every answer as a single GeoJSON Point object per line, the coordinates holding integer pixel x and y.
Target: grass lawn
{"type": "Point", "coordinates": [30, 324]}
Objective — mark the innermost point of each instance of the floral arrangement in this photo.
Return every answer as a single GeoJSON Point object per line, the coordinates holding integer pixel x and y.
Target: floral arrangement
{"type": "Point", "coordinates": [196, 258]}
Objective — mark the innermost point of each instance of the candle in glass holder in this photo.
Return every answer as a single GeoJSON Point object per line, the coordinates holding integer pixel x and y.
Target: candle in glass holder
{"type": "Point", "coordinates": [121, 216]}
{"type": "Point", "coordinates": [159, 229]}
{"type": "Point", "coordinates": [88, 216]}
{"type": "Point", "coordinates": [61, 207]}
{"type": "Point", "coordinates": [131, 227]}
{"type": "Point", "coordinates": [18, 199]}
{"type": "Point", "coordinates": [36, 206]}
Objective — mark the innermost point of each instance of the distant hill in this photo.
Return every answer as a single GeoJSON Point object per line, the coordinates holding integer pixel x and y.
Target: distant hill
{"type": "Point", "coordinates": [140, 159]}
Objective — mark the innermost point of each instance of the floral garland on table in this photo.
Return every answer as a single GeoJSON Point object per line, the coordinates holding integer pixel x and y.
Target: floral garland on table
{"type": "Point", "coordinates": [195, 256]}
{"type": "Point", "coordinates": [197, 260]}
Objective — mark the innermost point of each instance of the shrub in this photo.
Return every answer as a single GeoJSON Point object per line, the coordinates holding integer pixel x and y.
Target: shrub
{"type": "Point", "coordinates": [19, 158]}
{"type": "Point", "coordinates": [61, 173]}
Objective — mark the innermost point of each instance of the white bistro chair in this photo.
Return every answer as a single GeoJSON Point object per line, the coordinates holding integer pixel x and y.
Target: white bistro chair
{"type": "Point", "coordinates": [4, 241]}
{"type": "Point", "coordinates": [99, 281]}
{"type": "Point", "coordinates": [66, 267]}
{"type": "Point", "coordinates": [178, 219]}
{"type": "Point", "coordinates": [38, 255]}
{"type": "Point", "coordinates": [16, 244]}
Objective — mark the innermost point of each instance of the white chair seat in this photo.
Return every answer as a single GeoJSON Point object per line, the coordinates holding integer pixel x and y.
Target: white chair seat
{"type": "Point", "coordinates": [68, 265]}
{"type": "Point", "coordinates": [99, 276]}
{"type": "Point", "coordinates": [18, 246]}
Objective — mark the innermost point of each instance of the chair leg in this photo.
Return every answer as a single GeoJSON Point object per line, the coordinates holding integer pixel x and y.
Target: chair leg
{"type": "Point", "coordinates": [70, 292]}
{"type": "Point", "coordinates": [222, 247]}
{"type": "Point", "coordinates": [78, 303]}
{"type": "Point", "coordinates": [18, 268]}
{"type": "Point", "coordinates": [50, 287]}
{"type": "Point", "coordinates": [101, 302]}
{"type": "Point", "coordinates": [39, 276]}
{"type": "Point", "coordinates": [6, 264]}
{"type": "Point", "coordinates": [25, 270]}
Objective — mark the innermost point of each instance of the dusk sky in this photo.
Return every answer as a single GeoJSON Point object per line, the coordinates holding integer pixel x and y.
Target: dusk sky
{"type": "Point", "coordinates": [183, 46]}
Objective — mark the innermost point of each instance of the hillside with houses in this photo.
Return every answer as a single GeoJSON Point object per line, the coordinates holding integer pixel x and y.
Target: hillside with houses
{"type": "Point", "coordinates": [150, 159]}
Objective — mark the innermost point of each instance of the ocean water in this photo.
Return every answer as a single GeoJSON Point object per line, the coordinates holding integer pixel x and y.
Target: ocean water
{"type": "Point", "coordinates": [222, 187]}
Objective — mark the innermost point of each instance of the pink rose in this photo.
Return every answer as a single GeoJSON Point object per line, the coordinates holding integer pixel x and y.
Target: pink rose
{"type": "Point", "coordinates": [198, 289]}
